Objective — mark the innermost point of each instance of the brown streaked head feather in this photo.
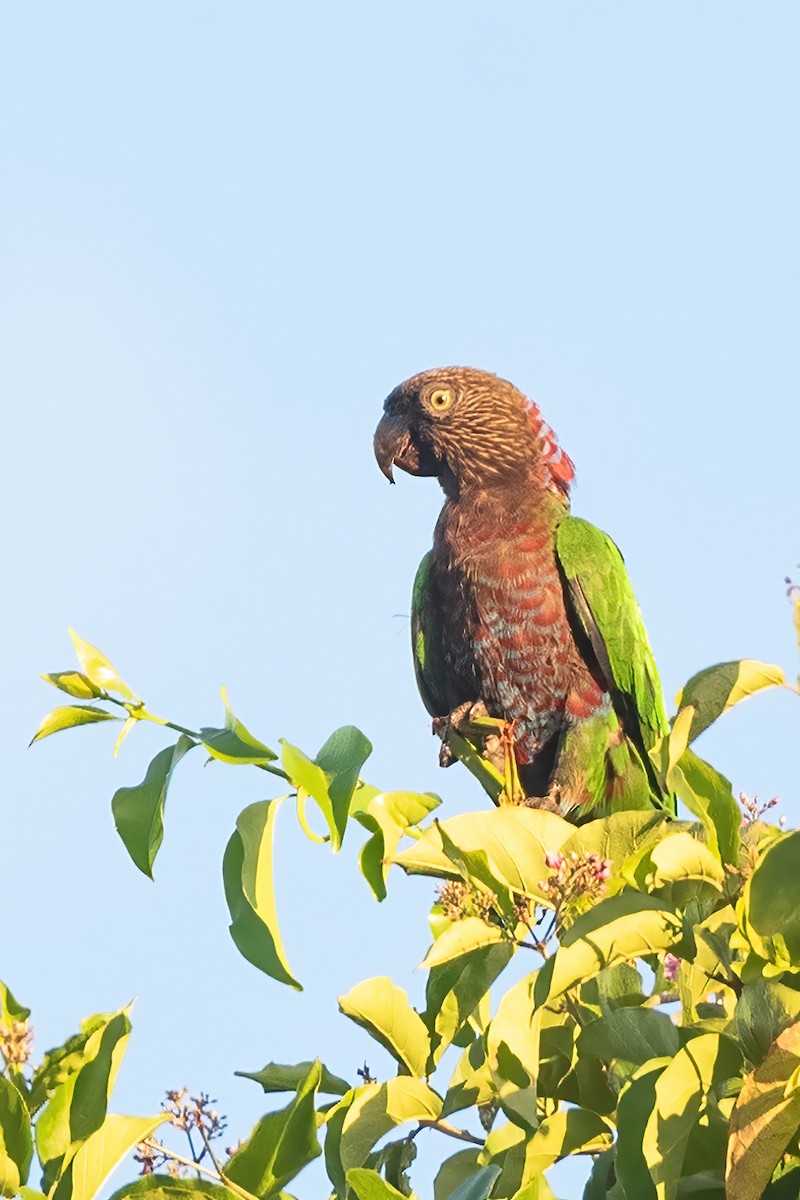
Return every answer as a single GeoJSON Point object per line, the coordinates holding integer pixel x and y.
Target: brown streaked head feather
{"type": "Point", "coordinates": [471, 429]}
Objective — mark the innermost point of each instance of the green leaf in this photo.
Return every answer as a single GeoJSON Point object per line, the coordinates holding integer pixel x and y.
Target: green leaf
{"type": "Point", "coordinates": [332, 777]}
{"type": "Point", "coordinates": [636, 1104]}
{"type": "Point", "coordinates": [278, 1077]}
{"type": "Point", "coordinates": [69, 717]}
{"type": "Point", "coordinates": [453, 1171]}
{"type": "Point", "coordinates": [164, 1187]}
{"type": "Point", "coordinates": [710, 797]}
{"type": "Point", "coordinates": [387, 817]}
{"type": "Point", "coordinates": [98, 669]}
{"type": "Point", "coordinates": [235, 743]}
{"type": "Point", "coordinates": [567, 1131]}
{"type": "Point", "coordinates": [376, 851]}
{"type": "Point", "coordinates": [620, 927]}
{"type": "Point", "coordinates": [713, 691]}
{"type": "Point", "coordinates": [139, 811]}
{"type": "Point", "coordinates": [764, 1010]}
{"type": "Point", "coordinates": [514, 840]}
{"type": "Point", "coordinates": [367, 1185]}
{"type": "Point", "coordinates": [680, 1094]}
{"type": "Point", "coordinates": [248, 878]}
{"type": "Point", "coordinates": [376, 1109]}
{"type": "Point", "coordinates": [632, 1034]}
{"type": "Point", "coordinates": [79, 1103]}
{"type": "Point", "coordinates": [10, 1008]}
{"type": "Point", "coordinates": [598, 1183]}
{"type": "Point", "coordinates": [618, 837]}
{"type": "Point", "coordinates": [513, 1050]}
{"type": "Point", "coordinates": [537, 1189]}
{"type": "Point", "coordinates": [407, 808]}
{"type": "Point", "coordinates": [98, 1156]}
{"type": "Point", "coordinates": [485, 772]}
{"type": "Point", "coordinates": [62, 1061]}
{"type": "Point", "coordinates": [383, 1009]}
{"type": "Point", "coordinates": [765, 1118]}
{"type": "Point", "coordinates": [472, 1081]}
{"type": "Point", "coordinates": [281, 1144]}
{"type": "Point", "coordinates": [477, 1186]}
{"type": "Point", "coordinates": [455, 989]}
{"type": "Point", "coordinates": [74, 684]}
{"type": "Point", "coordinates": [682, 858]}
{"type": "Point", "coordinates": [462, 937]}
{"type": "Point", "coordinates": [16, 1140]}
{"type": "Point", "coordinates": [771, 903]}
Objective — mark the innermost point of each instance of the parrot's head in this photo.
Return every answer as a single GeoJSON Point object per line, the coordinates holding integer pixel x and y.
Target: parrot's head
{"type": "Point", "coordinates": [469, 429]}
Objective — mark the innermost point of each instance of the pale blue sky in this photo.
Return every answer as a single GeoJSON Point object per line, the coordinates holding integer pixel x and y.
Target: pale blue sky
{"type": "Point", "coordinates": [228, 230]}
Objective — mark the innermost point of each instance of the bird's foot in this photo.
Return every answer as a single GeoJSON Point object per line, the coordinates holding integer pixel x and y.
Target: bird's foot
{"type": "Point", "coordinates": [463, 720]}
{"type": "Point", "coordinates": [552, 802]}
{"type": "Point", "coordinates": [491, 739]}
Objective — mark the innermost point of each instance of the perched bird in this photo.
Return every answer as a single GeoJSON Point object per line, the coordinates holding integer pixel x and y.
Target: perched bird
{"type": "Point", "coordinates": [520, 607]}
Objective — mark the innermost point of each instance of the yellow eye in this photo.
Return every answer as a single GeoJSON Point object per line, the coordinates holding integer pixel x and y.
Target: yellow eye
{"type": "Point", "coordinates": [441, 399]}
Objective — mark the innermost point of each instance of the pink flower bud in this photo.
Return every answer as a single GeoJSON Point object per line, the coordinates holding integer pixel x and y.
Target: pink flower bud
{"type": "Point", "coordinates": [554, 861]}
{"type": "Point", "coordinates": [671, 964]}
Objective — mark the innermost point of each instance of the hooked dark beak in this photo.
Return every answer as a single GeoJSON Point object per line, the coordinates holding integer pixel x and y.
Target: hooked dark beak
{"type": "Point", "coordinates": [392, 439]}
{"type": "Point", "coordinates": [395, 446]}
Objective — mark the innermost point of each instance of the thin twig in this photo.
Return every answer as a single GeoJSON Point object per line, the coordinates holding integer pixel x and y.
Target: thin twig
{"type": "Point", "coordinates": [210, 1152]}
{"type": "Point", "coordinates": [460, 1134]}
{"type": "Point", "coordinates": [218, 1177]}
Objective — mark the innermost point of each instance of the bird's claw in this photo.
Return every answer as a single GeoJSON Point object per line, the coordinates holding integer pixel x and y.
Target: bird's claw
{"type": "Point", "coordinates": [494, 739]}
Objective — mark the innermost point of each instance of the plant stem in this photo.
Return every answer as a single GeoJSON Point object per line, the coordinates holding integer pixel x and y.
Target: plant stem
{"type": "Point", "coordinates": [460, 1134]}
{"type": "Point", "coordinates": [217, 1176]}
{"type": "Point", "coordinates": [209, 1151]}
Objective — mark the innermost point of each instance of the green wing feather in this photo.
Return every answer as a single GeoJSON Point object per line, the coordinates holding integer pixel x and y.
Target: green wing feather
{"type": "Point", "coordinates": [607, 614]}
{"type": "Point", "coordinates": [426, 642]}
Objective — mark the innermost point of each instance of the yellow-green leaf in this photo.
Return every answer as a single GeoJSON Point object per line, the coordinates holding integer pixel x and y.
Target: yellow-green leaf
{"type": "Point", "coordinates": [523, 1157]}
{"type": "Point", "coordinates": [281, 1144]}
{"type": "Point", "coordinates": [332, 778]}
{"type": "Point", "coordinates": [379, 1108]}
{"type": "Point", "coordinates": [620, 927]}
{"type": "Point", "coordinates": [101, 1153]}
{"type": "Point", "coordinates": [680, 1094]}
{"type": "Point", "coordinates": [770, 906]}
{"type": "Point", "coordinates": [714, 690]}
{"type": "Point", "coordinates": [461, 937]}
{"type": "Point", "coordinates": [74, 684]}
{"type": "Point", "coordinates": [78, 1105]}
{"type": "Point", "coordinates": [514, 840]}
{"type": "Point", "coordinates": [683, 857]}
{"type": "Point", "coordinates": [98, 669]}
{"type": "Point", "coordinates": [68, 717]}
{"type": "Point", "coordinates": [235, 743]}
{"type": "Point", "coordinates": [16, 1140]}
{"type": "Point", "coordinates": [383, 1009]}
{"type": "Point", "coordinates": [619, 837]}
{"type": "Point", "coordinates": [368, 1185]}
{"type": "Point", "coordinates": [249, 889]}
{"type": "Point", "coordinates": [709, 795]}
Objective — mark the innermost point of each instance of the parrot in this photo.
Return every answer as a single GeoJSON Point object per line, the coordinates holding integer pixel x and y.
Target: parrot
{"type": "Point", "coordinates": [522, 612]}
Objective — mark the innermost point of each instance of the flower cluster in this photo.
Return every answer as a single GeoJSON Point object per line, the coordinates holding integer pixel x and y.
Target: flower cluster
{"type": "Point", "coordinates": [15, 1043]}
{"type": "Point", "coordinates": [459, 900]}
{"type": "Point", "coordinates": [575, 876]}
{"type": "Point", "coordinates": [753, 810]}
{"type": "Point", "coordinates": [671, 967]}
{"type": "Point", "coordinates": [192, 1115]}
